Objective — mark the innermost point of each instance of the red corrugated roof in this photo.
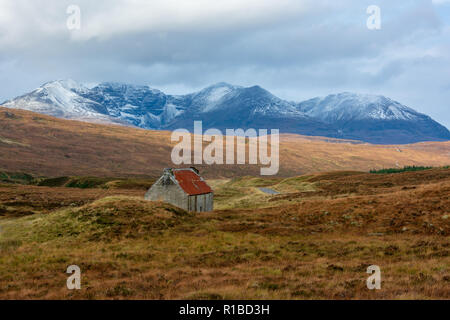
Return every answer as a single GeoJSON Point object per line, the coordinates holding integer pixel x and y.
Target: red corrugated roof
{"type": "Point", "coordinates": [191, 182]}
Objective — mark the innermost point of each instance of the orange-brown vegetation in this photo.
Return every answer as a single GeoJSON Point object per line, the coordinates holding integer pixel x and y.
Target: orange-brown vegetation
{"type": "Point", "coordinates": [20, 200]}
{"type": "Point", "coordinates": [48, 146]}
{"type": "Point", "coordinates": [314, 240]}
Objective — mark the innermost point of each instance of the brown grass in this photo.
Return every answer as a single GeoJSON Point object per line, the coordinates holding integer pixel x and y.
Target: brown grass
{"type": "Point", "coordinates": [48, 146]}
{"type": "Point", "coordinates": [19, 200]}
{"type": "Point", "coordinates": [315, 244]}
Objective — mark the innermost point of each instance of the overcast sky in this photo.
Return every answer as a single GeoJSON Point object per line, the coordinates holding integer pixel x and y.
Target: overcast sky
{"type": "Point", "coordinates": [295, 49]}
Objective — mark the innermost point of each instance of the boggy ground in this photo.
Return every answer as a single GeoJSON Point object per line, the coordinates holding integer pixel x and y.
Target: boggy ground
{"type": "Point", "coordinates": [314, 240]}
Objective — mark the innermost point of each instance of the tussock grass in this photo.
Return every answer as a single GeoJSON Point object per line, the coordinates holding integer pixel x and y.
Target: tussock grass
{"type": "Point", "coordinates": [244, 192]}
{"type": "Point", "coordinates": [297, 245]}
{"type": "Point", "coordinates": [104, 219]}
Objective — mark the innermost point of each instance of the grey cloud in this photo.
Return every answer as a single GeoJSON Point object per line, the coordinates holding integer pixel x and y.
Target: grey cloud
{"type": "Point", "coordinates": [296, 49]}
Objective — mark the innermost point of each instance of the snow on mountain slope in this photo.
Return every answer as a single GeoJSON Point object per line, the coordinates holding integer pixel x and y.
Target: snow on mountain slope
{"type": "Point", "coordinates": [369, 118]}
{"type": "Point", "coordinates": [266, 104]}
{"type": "Point", "coordinates": [60, 99]}
{"type": "Point", "coordinates": [245, 108]}
{"type": "Point", "coordinates": [374, 119]}
{"type": "Point", "coordinates": [350, 106]}
{"type": "Point", "coordinates": [141, 106]}
{"type": "Point", "coordinates": [210, 98]}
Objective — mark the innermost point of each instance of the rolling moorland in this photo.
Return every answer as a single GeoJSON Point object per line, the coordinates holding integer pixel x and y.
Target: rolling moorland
{"type": "Point", "coordinates": [72, 193]}
{"type": "Point", "coordinates": [51, 147]}
{"type": "Point", "coordinates": [314, 240]}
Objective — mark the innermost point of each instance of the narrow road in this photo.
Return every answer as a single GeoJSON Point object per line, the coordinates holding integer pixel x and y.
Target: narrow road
{"type": "Point", "coordinates": [268, 191]}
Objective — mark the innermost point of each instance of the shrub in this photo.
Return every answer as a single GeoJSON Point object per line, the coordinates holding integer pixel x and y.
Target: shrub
{"type": "Point", "coordinates": [398, 170]}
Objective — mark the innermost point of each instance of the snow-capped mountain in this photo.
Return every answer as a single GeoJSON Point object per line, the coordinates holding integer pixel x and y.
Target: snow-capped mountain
{"type": "Point", "coordinates": [62, 99]}
{"type": "Point", "coordinates": [373, 118]}
{"type": "Point", "coordinates": [210, 98]}
{"type": "Point", "coordinates": [140, 106]}
{"type": "Point", "coordinates": [369, 118]}
{"type": "Point", "coordinates": [223, 106]}
{"type": "Point", "coordinates": [350, 106]}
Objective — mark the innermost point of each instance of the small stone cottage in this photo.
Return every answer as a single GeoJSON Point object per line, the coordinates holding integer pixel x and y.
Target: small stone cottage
{"type": "Point", "coordinates": [184, 188]}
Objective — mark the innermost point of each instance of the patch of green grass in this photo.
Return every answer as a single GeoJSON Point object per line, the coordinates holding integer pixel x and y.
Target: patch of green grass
{"type": "Point", "coordinates": [295, 184]}
{"type": "Point", "coordinates": [399, 170]}
{"type": "Point", "coordinates": [53, 182]}
{"type": "Point", "coordinates": [94, 182]}
{"type": "Point", "coordinates": [135, 184]}
{"type": "Point", "coordinates": [16, 177]}
{"type": "Point", "coordinates": [244, 192]}
{"type": "Point", "coordinates": [76, 182]}
{"type": "Point", "coordinates": [104, 219]}
{"type": "Point", "coordinates": [87, 182]}
{"type": "Point", "coordinates": [251, 182]}
{"type": "Point", "coordinates": [204, 296]}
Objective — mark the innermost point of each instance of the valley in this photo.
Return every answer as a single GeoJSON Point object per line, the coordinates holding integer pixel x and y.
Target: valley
{"type": "Point", "coordinates": [71, 193]}
{"type": "Point", "coordinates": [314, 240]}
{"type": "Point", "coordinates": [254, 152]}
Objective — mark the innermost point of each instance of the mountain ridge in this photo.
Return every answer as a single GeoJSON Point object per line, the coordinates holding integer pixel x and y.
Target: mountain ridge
{"type": "Point", "coordinates": [369, 118]}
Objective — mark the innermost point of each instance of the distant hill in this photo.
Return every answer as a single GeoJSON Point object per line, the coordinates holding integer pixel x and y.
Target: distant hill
{"type": "Point", "coordinates": [45, 145]}
{"type": "Point", "coordinates": [368, 118]}
{"type": "Point", "coordinates": [374, 119]}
